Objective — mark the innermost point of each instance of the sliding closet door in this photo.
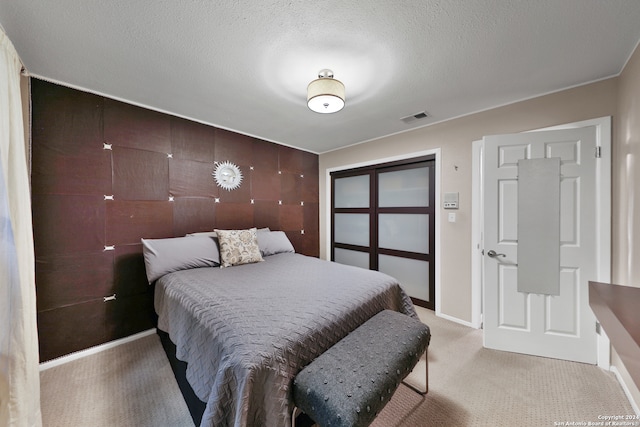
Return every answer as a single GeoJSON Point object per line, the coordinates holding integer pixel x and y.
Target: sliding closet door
{"type": "Point", "coordinates": [383, 218]}
{"type": "Point", "coordinates": [406, 221]}
{"type": "Point", "coordinates": [352, 219]}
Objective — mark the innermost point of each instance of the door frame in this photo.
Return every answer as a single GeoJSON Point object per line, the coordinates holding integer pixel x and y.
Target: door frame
{"type": "Point", "coordinates": [603, 230]}
{"type": "Point", "coordinates": [327, 214]}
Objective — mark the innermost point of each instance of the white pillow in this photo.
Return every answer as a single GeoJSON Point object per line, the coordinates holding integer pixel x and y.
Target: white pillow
{"type": "Point", "coordinates": [274, 242]}
{"type": "Point", "coordinates": [162, 256]}
{"type": "Point", "coordinates": [203, 233]}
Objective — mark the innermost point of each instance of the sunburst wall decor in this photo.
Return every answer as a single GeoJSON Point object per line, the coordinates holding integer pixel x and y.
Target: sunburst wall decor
{"type": "Point", "coordinates": [227, 175]}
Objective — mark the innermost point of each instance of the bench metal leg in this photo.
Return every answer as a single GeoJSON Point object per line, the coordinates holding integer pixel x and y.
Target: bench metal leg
{"type": "Point", "coordinates": [296, 411]}
{"type": "Point", "coordinates": [426, 368]}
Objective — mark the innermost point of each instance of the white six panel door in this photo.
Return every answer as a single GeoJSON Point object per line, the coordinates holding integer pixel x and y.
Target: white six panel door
{"type": "Point", "coordinates": [558, 326]}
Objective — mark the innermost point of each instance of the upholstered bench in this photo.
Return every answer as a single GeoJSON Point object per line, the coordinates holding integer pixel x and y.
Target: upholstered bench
{"type": "Point", "coordinates": [349, 384]}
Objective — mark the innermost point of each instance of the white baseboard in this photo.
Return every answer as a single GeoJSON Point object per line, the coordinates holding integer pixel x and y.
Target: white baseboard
{"type": "Point", "coordinates": [626, 390]}
{"type": "Point", "coordinates": [456, 320]}
{"type": "Point", "coordinates": [93, 350]}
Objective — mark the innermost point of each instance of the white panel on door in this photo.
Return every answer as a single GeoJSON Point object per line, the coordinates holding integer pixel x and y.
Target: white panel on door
{"type": "Point", "coordinates": [513, 305]}
{"type": "Point", "coordinates": [569, 191]}
{"type": "Point", "coordinates": [352, 229]}
{"type": "Point", "coordinates": [349, 257]}
{"type": "Point", "coordinates": [567, 151]}
{"type": "Point", "coordinates": [413, 275]}
{"type": "Point", "coordinates": [352, 192]}
{"type": "Point", "coordinates": [509, 155]}
{"type": "Point", "coordinates": [408, 187]}
{"type": "Point", "coordinates": [507, 211]}
{"type": "Point", "coordinates": [562, 310]}
{"type": "Point", "coordinates": [405, 232]}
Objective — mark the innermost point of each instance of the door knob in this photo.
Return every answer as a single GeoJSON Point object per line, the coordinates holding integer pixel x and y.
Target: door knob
{"type": "Point", "coordinates": [493, 254]}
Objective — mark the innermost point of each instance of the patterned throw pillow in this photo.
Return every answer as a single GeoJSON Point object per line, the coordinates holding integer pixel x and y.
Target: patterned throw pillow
{"type": "Point", "coordinates": [238, 247]}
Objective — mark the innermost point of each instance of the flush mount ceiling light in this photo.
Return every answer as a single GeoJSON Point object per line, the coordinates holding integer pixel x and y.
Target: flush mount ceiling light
{"type": "Point", "coordinates": [325, 94]}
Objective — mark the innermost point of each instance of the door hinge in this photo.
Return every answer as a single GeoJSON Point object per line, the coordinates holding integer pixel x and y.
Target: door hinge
{"type": "Point", "coordinates": [598, 328]}
{"type": "Point", "coordinates": [598, 152]}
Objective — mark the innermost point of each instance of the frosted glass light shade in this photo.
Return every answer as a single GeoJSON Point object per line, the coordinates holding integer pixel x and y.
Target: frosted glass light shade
{"type": "Point", "coordinates": [325, 95]}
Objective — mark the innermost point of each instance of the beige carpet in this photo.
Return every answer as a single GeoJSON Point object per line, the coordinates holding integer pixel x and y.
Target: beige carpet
{"type": "Point", "coordinates": [128, 385]}
{"type": "Point", "coordinates": [473, 386]}
{"type": "Point", "coordinates": [132, 385]}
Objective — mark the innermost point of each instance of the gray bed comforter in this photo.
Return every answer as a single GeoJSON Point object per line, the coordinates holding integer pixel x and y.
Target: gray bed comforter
{"type": "Point", "coordinates": [246, 331]}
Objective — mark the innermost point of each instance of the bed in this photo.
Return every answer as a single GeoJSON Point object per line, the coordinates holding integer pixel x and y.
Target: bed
{"type": "Point", "coordinates": [246, 330]}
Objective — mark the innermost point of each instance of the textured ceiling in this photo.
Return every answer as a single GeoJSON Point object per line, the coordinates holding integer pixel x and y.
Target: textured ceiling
{"type": "Point", "coordinates": [245, 65]}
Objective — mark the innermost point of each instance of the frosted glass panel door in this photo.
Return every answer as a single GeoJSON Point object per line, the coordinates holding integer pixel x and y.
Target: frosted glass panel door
{"type": "Point", "coordinates": [411, 274]}
{"type": "Point", "coordinates": [408, 187]}
{"type": "Point", "coordinates": [383, 219]}
{"type": "Point", "coordinates": [351, 230]}
{"type": "Point", "coordinates": [355, 258]}
{"type": "Point", "coordinates": [404, 218]}
{"type": "Point", "coordinates": [352, 192]}
{"type": "Point", "coordinates": [405, 232]}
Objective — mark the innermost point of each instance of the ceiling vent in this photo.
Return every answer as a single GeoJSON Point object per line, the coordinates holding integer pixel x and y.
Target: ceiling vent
{"type": "Point", "coordinates": [414, 117]}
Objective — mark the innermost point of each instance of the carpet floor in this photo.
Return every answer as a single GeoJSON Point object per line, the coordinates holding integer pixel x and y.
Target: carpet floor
{"type": "Point", "coordinates": [133, 385]}
{"type": "Point", "coordinates": [128, 385]}
{"type": "Point", "coordinates": [473, 386]}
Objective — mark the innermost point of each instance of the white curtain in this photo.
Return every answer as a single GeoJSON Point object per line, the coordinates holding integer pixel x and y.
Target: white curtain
{"type": "Point", "coordinates": [19, 372]}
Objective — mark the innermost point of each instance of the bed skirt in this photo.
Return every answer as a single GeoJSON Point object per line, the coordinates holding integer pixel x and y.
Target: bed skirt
{"type": "Point", "coordinates": [195, 405]}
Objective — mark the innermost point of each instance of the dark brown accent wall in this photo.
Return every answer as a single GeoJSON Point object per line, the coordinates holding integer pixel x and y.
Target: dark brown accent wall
{"type": "Point", "coordinates": [158, 169]}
